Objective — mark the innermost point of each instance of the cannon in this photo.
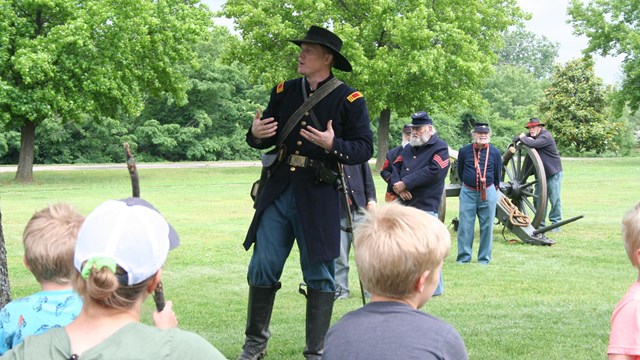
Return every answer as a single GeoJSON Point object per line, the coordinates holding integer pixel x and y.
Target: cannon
{"type": "Point", "coordinates": [522, 194]}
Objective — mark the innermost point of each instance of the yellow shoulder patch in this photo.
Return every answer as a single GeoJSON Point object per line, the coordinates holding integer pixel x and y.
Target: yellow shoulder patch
{"type": "Point", "coordinates": [280, 87]}
{"type": "Point", "coordinates": [353, 97]}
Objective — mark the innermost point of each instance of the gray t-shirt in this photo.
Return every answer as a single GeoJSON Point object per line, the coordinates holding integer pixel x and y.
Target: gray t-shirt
{"type": "Point", "coordinates": [392, 330]}
{"type": "Point", "coordinates": [132, 341]}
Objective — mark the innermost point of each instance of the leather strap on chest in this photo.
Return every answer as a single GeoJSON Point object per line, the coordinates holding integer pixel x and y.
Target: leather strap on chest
{"type": "Point", "coordinates": [481, 177]}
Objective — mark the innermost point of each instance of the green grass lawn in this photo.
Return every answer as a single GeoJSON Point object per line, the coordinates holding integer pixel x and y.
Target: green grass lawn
{"type": "Point", "coordinates": [532, 302]}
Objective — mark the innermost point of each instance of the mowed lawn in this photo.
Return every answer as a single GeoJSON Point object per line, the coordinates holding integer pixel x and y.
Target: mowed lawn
{"type": "Point", "coordinates": [531, 302]}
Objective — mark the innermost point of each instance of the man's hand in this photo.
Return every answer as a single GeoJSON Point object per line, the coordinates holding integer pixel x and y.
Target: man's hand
{"type": "Point", "coordinates": [324, 139]}
{"type": "Point", "coordinates": [399, 187]}
{"type": "Point", "coordinates": [262, 129]}
{"type": "Point", "coordinates": [405, 195]}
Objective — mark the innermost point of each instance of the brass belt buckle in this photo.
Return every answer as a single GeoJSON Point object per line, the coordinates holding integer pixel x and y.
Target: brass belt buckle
{"type": "Point", "coordinates": [297, 160]}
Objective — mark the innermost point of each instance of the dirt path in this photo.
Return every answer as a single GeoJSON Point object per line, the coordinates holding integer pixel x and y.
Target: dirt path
{"type": "Point", "coordinates": [214, 164]}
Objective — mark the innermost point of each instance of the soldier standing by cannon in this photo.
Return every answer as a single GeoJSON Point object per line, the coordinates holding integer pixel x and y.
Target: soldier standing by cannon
{"type": "Point", "coordinates": [541, 139]}
{"type": "Point", "coordinates": [479, 166]}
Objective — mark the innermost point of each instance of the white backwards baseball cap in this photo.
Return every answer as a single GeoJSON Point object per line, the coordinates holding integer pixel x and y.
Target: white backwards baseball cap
{"type": "Point", "coordinates": [130, 232]}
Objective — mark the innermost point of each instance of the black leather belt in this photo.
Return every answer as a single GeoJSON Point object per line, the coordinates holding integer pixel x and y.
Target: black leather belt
{"type": "Point", "coordinates": [302, 161]}
{"type": "Point", "coordinates": [476, 189]}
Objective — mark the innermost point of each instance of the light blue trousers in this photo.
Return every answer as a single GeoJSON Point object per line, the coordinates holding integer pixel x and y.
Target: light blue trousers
{"type": "Point", "coordinates": [554, 183]}
{"type": "Point", "coordinates": [440, 288]}
{"type": "Point", "coordinates": [278, 228]}
{"type": "Point", "coordinates": [471, 205]}
{"type": "Point", "coordinates": [342, 262]}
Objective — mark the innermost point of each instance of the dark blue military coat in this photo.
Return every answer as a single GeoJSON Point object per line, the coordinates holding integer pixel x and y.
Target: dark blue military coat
{"type": "Point", "coordinates": [317, 202]}
{"type": "Point", "coordinates": [423, 170]}
{"type": "Point", "coordinates": [360, 185]}
{"type": "Point", "coordinates": [386, 170]}
{"type": "Point", "coordinates": [467, 167]}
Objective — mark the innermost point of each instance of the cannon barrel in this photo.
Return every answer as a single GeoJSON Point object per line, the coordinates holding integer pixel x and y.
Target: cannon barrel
{"type": "Point", "coordinates": [543, 230]}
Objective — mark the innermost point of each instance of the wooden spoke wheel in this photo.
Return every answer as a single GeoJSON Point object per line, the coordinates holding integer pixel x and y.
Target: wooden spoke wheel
{"type": "Point", "coordinates": [524, 182]}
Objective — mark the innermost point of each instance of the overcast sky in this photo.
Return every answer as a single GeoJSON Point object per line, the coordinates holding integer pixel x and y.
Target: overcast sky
{"type": "Point", "coordinates": [549, 19]}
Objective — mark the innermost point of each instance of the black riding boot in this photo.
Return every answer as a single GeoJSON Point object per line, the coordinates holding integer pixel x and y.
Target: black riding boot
{"type": "Point", "coordinates": [319, 309]}
{"type": "Point", "coordinates": [258, 318]}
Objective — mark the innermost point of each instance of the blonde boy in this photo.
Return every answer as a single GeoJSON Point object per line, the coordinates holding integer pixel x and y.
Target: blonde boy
{"type": "Point", "coordinates": [399, 253]}
{"type": "Point", "coordinates": [624, 340]}
{"type": "Point", "coordinates": [49, 241]}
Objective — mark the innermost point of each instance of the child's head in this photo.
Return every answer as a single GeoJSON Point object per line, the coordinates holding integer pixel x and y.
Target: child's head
{"type": "Point", "coordinates": [395, 245]}
{"type": "Point", "coordinates": [121, 246]}
{"type": "Point", "coordinates": [631, 234]}
{"type": "Point", "coordinates": [49, 240]}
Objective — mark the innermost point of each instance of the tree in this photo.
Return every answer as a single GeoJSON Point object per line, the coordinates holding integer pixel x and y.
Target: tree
{"type": "Point", "coordinates": [408, 55]}
{"type": "Point", "coordinates": [68, 59]}
{"type": "Point", "coordinates": [612, 28]}
{"type": "Point", "coordinates": [5, 286]}
{"type": "Point", "coordinates": [213, 125]}
{"type": "Point", "coordinates": [512, 93]}
{"type": "Point", "coordinates": [574, 108]}
{"type": "Point", "coordinates": [529, 51]}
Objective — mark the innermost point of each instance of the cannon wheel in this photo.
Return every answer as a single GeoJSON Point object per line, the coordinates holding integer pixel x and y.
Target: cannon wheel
{"type": "Point", "coordinates": [522, 171]}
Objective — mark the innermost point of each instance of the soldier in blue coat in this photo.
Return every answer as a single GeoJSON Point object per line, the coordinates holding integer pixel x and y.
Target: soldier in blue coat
{"type": "Point", "coordinates": [479, 167]}
{"type": "Point", "coordinates": [361, 192]}
{"type": "Point", "coordinates": [299, 200]}
{"type": "Point", "coordinates": [419, 172]}
{"type": "Point", "coordinates": [390, 158]}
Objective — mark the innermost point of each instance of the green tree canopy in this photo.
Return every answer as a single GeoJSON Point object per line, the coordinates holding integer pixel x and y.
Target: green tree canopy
{"type": "Point", "coordinates": [574, 108]}
{"type": "Point", "coordinates": [612, 27]}
{"type": "Point", "coordinates": [407, 55]}
{"type": "Point", "coordinates": [512, 93]}
{"type": "Point", "coordinates": [65, 59]}
{"type": "Point", "coordinates": [529, 51]}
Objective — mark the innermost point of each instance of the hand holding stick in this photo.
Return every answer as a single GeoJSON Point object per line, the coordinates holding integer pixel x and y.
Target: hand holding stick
{"type": "Point", "coordinates": [158, 294]}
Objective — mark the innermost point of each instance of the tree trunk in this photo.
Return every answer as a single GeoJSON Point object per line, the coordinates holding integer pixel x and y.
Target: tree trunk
{"type": "Point", "coordinates": [27, 146]}
{"type": "Point", "coordinates": [383, 137]}
{"type": "Point", "coordinates": [5, 287]}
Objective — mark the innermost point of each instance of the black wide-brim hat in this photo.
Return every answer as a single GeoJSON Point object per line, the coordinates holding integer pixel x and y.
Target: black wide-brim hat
{"type": "Point", "coordinates": [324, 37]}
{"type": "Point", "coordinates": [533, 122]}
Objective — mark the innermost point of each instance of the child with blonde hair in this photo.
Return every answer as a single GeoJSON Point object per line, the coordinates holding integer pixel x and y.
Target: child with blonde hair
{"type": "Point", "coordinates": [399, 253]}
{"type": "Point", "coordinates": [49, 241]}
{"type": "Point", "coordinates": [624, 340]}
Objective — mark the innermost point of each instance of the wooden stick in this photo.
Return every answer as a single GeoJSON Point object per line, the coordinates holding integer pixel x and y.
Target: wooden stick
{"type": "Point", "coordinates": [158, 294]}
{"type": "Point", "coordinates": [133, 171]}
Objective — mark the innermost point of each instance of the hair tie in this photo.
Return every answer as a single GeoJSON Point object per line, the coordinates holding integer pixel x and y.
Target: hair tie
{"type": "Point", "coordinates": [99, 263]}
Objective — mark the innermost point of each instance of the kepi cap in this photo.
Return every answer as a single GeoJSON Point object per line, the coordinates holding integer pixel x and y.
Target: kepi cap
{"type": "Point", "coordinates": [406, 128]}
{"type": "Point", "coordinates": [533, 122]}
{"type": "Point", "coordinates": [482, 128]}
{"type": "Point", "coordinates": [420, 118]}
{"type": "Point", "coordinates": [131, 232]}
{"type": "Point", "coordinates": [324, 37]}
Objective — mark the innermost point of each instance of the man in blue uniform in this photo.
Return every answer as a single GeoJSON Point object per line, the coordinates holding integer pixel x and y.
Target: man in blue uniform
{"type": "Point", "coordinates": [479, 167]}
{"type": "Point", "coordinates": [361, 196]}
{"type": "Point", "coordinates": [299, 200]}
{"type": "Point", "coordinates": [390, 158]}
{"type": "Point", "coordinates": [542, 140]}
{"type": "Point", "coordinates": [419, 172]}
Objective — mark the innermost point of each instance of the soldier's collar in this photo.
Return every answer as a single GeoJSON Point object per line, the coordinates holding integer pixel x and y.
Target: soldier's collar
{"type": "Point", "coordinates": [308, 87]}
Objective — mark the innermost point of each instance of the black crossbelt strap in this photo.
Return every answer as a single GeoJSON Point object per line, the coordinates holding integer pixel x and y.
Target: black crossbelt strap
{"type": "Point", "coordinates": [323, 91]}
